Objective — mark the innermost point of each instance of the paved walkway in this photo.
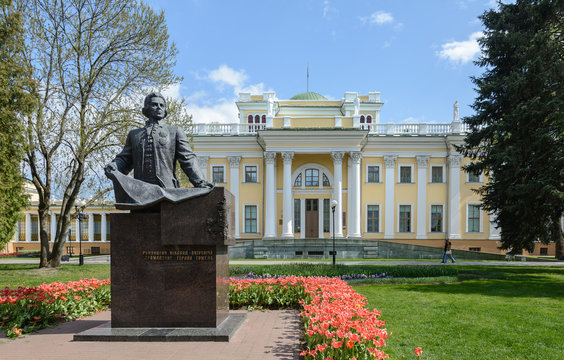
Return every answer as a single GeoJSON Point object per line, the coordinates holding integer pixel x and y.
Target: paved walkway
{"type": "Point", "coordinates": [264, 335]}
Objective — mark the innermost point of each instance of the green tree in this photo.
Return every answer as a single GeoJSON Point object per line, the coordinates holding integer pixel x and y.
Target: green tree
{"type": "Point", "coordinates": [15, 100]}
{"type": "Point", "coordinates": [92, 59]}
{"type": "Point", "coordinates": [517, 132]}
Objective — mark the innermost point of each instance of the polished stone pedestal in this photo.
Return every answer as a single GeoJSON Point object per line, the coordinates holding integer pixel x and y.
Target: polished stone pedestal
{"type": "Point", "coordinates": [221, 333]}
{"type": "Point", "coordinates": [169, 265]}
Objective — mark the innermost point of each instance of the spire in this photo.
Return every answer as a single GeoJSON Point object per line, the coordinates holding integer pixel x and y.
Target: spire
{"type": "Point", "coordinates": [307, 84]}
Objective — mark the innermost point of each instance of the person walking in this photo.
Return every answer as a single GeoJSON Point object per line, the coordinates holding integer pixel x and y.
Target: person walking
{"type": "Point", "coordinates": [447, 253]}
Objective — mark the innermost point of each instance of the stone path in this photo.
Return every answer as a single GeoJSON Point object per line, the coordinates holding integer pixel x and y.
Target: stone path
{"type": "Point", "coordinates": [264, 335]}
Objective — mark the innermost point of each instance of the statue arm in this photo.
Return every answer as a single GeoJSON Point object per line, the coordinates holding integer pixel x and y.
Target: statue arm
{"type": "Point", "coordinates": [188, 160]}
{"type": "Point", "coordinates": [124, 160]}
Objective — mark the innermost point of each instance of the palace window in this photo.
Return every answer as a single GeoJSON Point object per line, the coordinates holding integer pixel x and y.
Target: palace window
{"type": "Point", "coordinates": [473, 218]}
{"type": "Point", "coordinates": [258, 122]}
{"type": "Point", "coordinates": [436, 174]}
{"type": "Point", "coordinates": [250, 219]}
{"type": "Point", "coordinates": [97, 227]}
{"type": "Point", "coordinates": [312, 177]}
{"type": "Point", "coordinates": [326, 181]}
{"type": "Point", "coordinates": [297, 215]}
{"type": "Point", "coordinates": [298, 181]}
{"type": "Point", "coordinates": [365, 121]}
{"type": "Point", "coordinates": [251, 174]}
{"type": "Point", "coordinates": [477, 249]}
{"type": "Point", "coordinates": [436, 218]}
{"type": "Point", "coordinates": [34, 228]}
{"type": "Point", "coordinates": [405, 218]}
{"type": "Point", "coordinates": [473, 177]}
{"type": "Point", "coordinates": [405, 174]}
{"type": "Point", "coordinates": [218, 174]}
{"type": "Point", "coordinates": [373, 174]}
{"type": "Point", "coordinates": [373, 218]}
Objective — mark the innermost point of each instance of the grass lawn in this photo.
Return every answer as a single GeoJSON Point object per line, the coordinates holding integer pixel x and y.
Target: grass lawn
{"type": "Point", "coordinates": [497, 313]}
{"type": "Point", "coordinates": [15, 275]}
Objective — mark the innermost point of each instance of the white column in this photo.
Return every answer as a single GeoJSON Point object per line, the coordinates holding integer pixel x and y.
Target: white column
{"type": "Point", "coordinates": [53, 225]}
{"type": "Point", "coordinates": [354, 194]}
{"type": "Point", "coordinates": [90, 227]}
{"type": "Point", "coordinates": [495, 233]}
{"type": "Point", "coordinates": [103, 227]}
{"type": "Point", "coordinates": [389, 206]}
{"type": "Point", "coordinates": [287, 205]}
{"type": "Point", "coordinates": [76, 228]}
{"type": "Point", "coordinates": [234, 162]}
{"type": "Point", "coordinates": [203, 160]}
{"type": "Point", "coordinates": [270, 196]}
{"type": "Point", "coordinates": [27, 227]}
{"type": "Point", "coordinates": [422, 161]}
{"type": "Point", "coordinates": [337, 157]}
{"type": "Point", "coordinates": [454, 195]}
{"type": "Point", "coordinates": [320, 218]}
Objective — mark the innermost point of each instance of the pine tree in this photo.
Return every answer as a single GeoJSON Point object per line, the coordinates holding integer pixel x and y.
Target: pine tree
{"type": "Point", "coordinates": [517, 132]}
{"type": "Point", "coordinates": [15, 99]}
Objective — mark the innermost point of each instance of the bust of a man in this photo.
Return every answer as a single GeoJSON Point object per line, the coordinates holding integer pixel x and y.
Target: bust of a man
{"type": "Point", "coordinates": [153, 151]}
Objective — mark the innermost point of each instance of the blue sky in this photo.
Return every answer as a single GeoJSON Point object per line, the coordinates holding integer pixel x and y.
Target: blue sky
{"type": "Point", "coordinates": [418, 54]}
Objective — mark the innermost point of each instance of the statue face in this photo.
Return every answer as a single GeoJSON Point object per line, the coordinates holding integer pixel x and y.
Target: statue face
{"type": "Point", "coordinates": [156, 109]}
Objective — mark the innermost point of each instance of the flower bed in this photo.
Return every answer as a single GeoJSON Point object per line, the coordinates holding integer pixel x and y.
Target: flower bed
{"type": "Point", "coordinates": [28, 309]}
{"type": "Point", "coordinates": [337, 323]}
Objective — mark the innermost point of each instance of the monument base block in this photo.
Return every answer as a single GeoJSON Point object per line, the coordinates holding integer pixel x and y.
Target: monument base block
{"type": "Point", "coordinates": [221, 333]}
{"type": "Point", "coordinates": [170, 266]}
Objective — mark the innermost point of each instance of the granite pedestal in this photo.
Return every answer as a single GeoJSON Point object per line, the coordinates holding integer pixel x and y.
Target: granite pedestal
{"type": "Point", "coordinates": [170, 271]}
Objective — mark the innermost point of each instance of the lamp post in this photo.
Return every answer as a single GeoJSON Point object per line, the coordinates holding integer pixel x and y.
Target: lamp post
{"type": "Point", "coordinates": [79, 206]}
{"type": "Point", "coordinates": [333, 206]}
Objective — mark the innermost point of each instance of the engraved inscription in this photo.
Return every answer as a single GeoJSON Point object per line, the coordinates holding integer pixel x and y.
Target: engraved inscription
{"type": "Point", "coordinates": [178, 255]}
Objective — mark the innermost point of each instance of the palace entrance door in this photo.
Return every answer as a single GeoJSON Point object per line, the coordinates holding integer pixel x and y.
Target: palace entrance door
{"type": "Point", "coordinates": [312, 218]}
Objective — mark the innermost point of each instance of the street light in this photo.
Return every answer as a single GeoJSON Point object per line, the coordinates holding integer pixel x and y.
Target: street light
{"type": "Point", "coordinates": [333, 206]}
{"type": "Point", "coordinates": [79, 206]}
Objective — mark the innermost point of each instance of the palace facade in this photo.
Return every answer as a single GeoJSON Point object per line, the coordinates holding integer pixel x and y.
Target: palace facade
{"type": "Point", "coordinates": [287, 161]}
{"type": "Point", "coordinates": [306, 168]}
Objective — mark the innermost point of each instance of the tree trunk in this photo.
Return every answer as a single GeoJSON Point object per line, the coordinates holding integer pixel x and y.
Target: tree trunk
{"type": "Point", "coordinates": [558, 238]}
{"type": "Point", "coordinates": [43, 214]}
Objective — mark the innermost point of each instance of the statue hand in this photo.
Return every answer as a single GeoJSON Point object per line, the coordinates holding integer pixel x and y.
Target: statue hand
{"type": "Point", "coordinates": [110, 168]}
{"type": "Point", "coordinates": [205, 184]}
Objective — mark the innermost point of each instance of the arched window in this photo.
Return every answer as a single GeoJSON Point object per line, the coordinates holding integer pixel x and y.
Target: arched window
{"type": "Point", "coordinates": [326, 180]}
{"type": "Point", "coordinates": [312, 177]}
{"type": "Point", "coordinates": [298, 181]}
{"type": "Point", "coordinates": [258, 121]}
{"type": "Point", "coordinates": [365, 122]}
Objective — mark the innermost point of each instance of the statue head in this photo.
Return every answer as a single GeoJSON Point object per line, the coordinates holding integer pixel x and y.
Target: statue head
{"type": "Point", "coordinates": [147, 105]}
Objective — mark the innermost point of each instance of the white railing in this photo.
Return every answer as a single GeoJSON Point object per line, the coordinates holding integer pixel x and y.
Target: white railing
{"type": "Point", "coordinates": [374, 129]}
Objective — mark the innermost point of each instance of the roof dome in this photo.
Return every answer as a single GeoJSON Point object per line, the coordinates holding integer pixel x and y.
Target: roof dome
{"type": "Point", "coordinates": [308, 96]}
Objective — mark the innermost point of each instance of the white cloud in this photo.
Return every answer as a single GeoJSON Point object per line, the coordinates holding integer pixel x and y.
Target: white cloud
{"type": "Point", "coordinates": [461, 51]}
{"type": "Point", "coordinates": [223, 112]}
{"type": "Point", "coordinates": [378, 18]}
{"type": "Point", "coordinates": [210, 108]}
{"type": "Point", "coordinates": [328, 10]}
{"type": "Point", "coordinates": [226, 75]}
{"type": "Point", "coordinates": [173, 91]}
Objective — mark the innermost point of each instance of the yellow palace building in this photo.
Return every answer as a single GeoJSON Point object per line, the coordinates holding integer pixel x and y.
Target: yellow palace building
{"type": "Point", "coordinates": [286, 161]}
{"type": "Point", "coordinates": [398, 190]}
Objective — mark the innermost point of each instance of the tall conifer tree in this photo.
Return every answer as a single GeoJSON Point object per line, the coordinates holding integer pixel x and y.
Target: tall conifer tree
{"type": "Point", "coordinates": [517, 132]}
{"type": "Point", "coordinates": [15, 99]}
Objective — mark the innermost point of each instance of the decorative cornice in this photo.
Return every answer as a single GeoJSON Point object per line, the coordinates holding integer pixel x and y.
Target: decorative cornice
{"type": "Point", "coordinates": [337, 157]}
{"type": "Point", "coordinates": [234, 161]}
{"type": "Point", "coordinates": [355, 156]}
{"type": "Point", "coordinates": [288, 156]}
{"type": "Point", "coordinates": [270, 157]}
{"type": "Point", "coordinates": [390, 160]}
{"type": "Point", "coordinates": [422, 160]}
